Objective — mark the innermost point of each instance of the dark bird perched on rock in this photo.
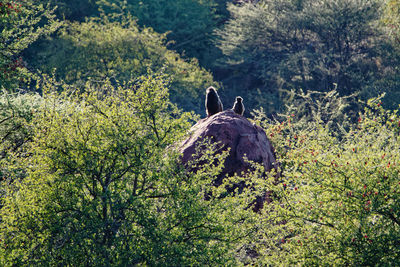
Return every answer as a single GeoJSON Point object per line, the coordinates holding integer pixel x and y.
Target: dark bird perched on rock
{"type": "Point", "coordinates": [238, 106]}
{"type": "Point", "coordinates": [213, 103]}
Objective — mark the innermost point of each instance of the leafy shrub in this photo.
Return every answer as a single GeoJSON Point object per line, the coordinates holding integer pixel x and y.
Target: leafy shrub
{"type": "Point", "coordinates": [21, 24]}
{"type": "Point", "coordinates": [104, 187]}
{"type": "Point", "coordinates": [94, 50]}
{"type": "Point", "coordinates": [16, 114]}
{"type": "Point", "coordinates": [338, 200]}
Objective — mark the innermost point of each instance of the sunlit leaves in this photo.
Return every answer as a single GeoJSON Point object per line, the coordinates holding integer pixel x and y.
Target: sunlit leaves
{"type": "Point", "coordinates": [338, 200]}
{"type": "Point", "coordinates": [21, 23]}
{"type": "Point", "coordinates": [104, 185]}
{"type": "Point", "coordinates": [100, 49]}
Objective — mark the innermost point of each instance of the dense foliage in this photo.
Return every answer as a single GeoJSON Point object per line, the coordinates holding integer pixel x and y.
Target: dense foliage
{"type": "Point", "coordinates": [96, 50]}
{"type": "Point", "coordinates": [189, 23]}
{"type": "Point", "coordinates": [391, 17]}
{"type": "Point", "coordinates": [89, 173]}
{"type": "Point", "coordinates": [100, 189]}
{"type": "Point", "coordinates": [72, 10]}
{"type": "Point", "coordinates": [310, 45]}
{"type": "Point", "coordinates": [21, 23]}
{"type": "Point", "coordinates": [16, 114]}
{"type": "Point", "coordinates": [338, 200]}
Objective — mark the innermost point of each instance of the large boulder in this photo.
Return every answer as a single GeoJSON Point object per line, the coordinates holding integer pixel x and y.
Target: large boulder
{"type": "Point", "coordinates": [237, 133]}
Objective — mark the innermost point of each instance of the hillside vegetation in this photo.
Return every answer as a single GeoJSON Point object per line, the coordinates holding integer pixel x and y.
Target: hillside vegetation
{"type": "Point", "coordinates": [95, 96]}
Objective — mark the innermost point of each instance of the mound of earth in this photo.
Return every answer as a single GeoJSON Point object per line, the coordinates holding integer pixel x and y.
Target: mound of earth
{"type": "Point", "coordinates": [233, 131]}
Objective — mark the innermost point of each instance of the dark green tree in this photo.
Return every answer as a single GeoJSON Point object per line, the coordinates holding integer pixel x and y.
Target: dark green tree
{"type": "Point", "coordinates": [310, 45]}
{"type": "Point", "coordinates": [390, 83]}
{"type": "Point", "coordinates": [73, 10]}
{"type": "Point", "coordinates": [189, 23]}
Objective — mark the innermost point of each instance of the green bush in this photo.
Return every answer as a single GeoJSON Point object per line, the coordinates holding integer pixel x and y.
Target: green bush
{"type": "Point", "coordinates": [21, 24]}
{"type": "Point", "coordinates": [16, 114]}
{"type": "Point", "coordinates": [96, 50]}
{"type": "Point", "coordinates": [338, 201]}
{"type": "Point", "coordinates": [104, 187]}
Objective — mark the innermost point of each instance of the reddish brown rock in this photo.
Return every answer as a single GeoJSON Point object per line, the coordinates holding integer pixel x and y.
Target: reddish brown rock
{"type": "Point", "coordinates": [237, 133]}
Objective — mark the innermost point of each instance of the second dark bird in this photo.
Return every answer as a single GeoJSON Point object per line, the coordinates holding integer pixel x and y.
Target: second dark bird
{"type": "Point", "coordinates": [238, 106]}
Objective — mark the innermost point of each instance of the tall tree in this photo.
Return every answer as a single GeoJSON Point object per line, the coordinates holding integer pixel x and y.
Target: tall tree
{"type": "Point", "coordinates": [313, 45]}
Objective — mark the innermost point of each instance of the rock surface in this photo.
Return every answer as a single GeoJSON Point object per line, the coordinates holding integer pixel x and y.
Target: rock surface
{"type": "Point", "coordinates": [239, 134]}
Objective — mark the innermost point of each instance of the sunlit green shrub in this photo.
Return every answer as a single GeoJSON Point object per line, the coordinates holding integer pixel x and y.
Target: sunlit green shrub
{"type": "Point", "coordinates": [99, 49]}
{"type": "Point", "coordinates": [104, 187]}
{"type": "Point", "coordinates": [21, 24]}
{"type": "Point", "coordinates": [338, 200]}
{"type": "Point", "coordinates": [16, 114]}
